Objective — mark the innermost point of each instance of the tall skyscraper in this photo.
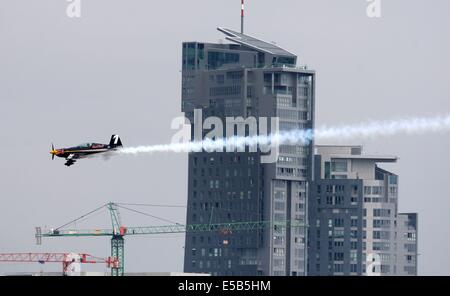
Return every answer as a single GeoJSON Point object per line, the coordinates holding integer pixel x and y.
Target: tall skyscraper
{"type": "Point", "coordinates": [246, 78]}
{"type": "Point", "coordinates": [354, 224]}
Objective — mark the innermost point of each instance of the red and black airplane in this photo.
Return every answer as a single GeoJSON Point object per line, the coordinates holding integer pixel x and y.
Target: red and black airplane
{"type": "Point", "coordinates": [72, 154]}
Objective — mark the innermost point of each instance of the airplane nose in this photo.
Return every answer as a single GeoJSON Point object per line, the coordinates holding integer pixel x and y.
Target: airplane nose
{"type": "Point", "coordinates": [54, 152]}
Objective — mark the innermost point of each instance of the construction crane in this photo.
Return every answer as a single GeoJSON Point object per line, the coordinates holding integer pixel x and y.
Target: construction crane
{"type": "Point", "coordinates": [118, 231]}
{"type": "Point", "coordinates": [67, 259]}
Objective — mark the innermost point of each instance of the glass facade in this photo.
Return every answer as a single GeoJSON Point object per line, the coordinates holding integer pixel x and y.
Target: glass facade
{"type": "Point", "coordinates": [284, 61]}
{"type": "Point", "coordinates": [339, 166]}
{"type": "Point", "coordinates": [217, 59]}
{"type": "Point", "coordinates": [230, 81]}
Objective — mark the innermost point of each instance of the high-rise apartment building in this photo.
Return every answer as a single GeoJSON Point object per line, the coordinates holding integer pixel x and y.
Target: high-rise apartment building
{"type": "Point", "coordinates": [354, 224]}
{"type": "Point", "coordinates": [247, 77]}
{"type": "Point", "coordinates": [346, 202]}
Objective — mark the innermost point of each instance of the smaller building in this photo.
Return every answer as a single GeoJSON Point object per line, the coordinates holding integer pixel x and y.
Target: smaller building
{"type": "Point", "coordinates": [354, 224]}
{"type": "Point", "coordinates": [407, 243]}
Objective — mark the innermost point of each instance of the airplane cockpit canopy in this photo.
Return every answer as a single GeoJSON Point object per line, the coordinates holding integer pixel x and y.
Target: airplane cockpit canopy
{"type": "Point", "coordinates": [85, 145]}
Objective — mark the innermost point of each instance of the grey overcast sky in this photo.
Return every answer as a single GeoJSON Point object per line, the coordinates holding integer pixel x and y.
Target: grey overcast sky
{"type": "Point", "coordinates": [117, 70]}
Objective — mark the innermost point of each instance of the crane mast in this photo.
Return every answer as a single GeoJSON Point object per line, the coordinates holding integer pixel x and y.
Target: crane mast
{"type": "Point", "coordinates": [117, 240]}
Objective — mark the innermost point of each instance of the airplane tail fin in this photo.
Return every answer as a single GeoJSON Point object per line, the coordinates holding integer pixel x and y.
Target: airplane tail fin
{"type": "Point", "coordinates": [115, 141]}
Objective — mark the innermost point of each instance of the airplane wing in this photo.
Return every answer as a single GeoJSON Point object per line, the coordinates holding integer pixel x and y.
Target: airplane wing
{"type": "Point", "coordinates": [70, 162]}
{"type": "Point", "coordinates": [71, 159]}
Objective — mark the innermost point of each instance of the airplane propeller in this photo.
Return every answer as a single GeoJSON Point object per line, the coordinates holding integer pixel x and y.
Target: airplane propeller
{"type": "Point", "coordinates": [53, 151]}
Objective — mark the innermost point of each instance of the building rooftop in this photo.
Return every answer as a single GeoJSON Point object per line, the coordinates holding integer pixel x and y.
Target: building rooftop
{"type": "Point", "coordinates": [351, 152]}
{"type": "Point", "coordinates": [255, 43]}
{"type": "Point", "coordinates": [376, 158]}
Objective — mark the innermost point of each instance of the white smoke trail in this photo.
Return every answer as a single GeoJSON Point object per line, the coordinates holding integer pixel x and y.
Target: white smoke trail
{"type": "Point", "coordinates": [368, 129]}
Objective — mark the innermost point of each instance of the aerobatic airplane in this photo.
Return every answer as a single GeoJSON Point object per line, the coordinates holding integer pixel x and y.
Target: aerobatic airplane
{"type": "Point", "coordinates": [72, 154]}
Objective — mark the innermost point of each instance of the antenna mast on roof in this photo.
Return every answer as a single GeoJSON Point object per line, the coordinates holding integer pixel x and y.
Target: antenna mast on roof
{"type": "Point", "coordinates": [242, 16]}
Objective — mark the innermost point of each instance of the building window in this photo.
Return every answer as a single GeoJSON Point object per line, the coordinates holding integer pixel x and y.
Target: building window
{"type": "Point", "coordinates": [339, 166]}
{"type": "Point", "coordinates": [278, 263]}
{"type": "Point", "coordinates": [338, 244]}
{"type": "Point", "coordinates": [268, 78]}
{"type": "Point", "coordinates": [385, 268]}
{"type": "Point", "coordinates": [278, 251]}
{"type": "Point", "coordinates": [393, 180]}
{"type": "Point", "coordinates": [279, 206]}
{"type": "Point", "coordinates": [339, 222]}
{"type": "Point", "coordinates": [249, 91]}
{"type": "Point", "coordinates": [338, 233]}
{"type": "Point", "coordinates": [327, 170]}
{"type": "Point", "coordinates": [353, 256]}
{"type": "Point", "coordinates": [338, 267]}
{"type": "Point", "coordinates": [329, 200]}
{"type": "Point", "coordinates": [190, 56]}
{"type": "Point", "coordinates": [278, 240]}
{"type": "Point", "coordinates": [227, 91]}
{"type": "Point", "coordinates": [377, 190]}
{"type": "Point", "coordinates": [411, 236]}
{"type": "Point", "coordinates": [217, 59]}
